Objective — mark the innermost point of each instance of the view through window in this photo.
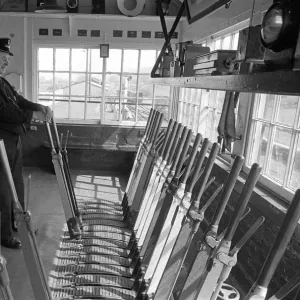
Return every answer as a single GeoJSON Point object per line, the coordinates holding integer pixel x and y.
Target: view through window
{"type": "Point", "coordinates": [274, 139]}
{"type": "Point", "coordinates": [78, 84]}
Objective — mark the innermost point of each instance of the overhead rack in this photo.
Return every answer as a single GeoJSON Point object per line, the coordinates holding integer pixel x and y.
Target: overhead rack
{"type": "Point", "coordinates": [279, 82]}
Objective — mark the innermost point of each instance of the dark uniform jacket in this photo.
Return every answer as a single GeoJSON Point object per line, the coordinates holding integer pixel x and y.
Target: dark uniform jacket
{"type": "Point", "coordinates": [15, 110]}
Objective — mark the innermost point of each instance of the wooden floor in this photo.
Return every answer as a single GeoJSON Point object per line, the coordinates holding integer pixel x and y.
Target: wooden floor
{"type": "Point", "coordinates": [48, 216]}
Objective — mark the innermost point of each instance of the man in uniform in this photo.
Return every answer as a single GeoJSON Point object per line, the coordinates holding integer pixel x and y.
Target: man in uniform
{"type": "Point", "coordinates": [16, 114]}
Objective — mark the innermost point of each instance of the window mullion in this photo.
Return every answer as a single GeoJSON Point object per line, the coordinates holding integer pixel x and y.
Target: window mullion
{"type": "Point", "coordinates": [137, 87]}
{"type": "Point", "coordinates": [53, 76]}
{"type": "Point", "coordinates": [103, 100]}
{"type": "Point", "coordinates": [88, 81]}
{"type": "Point", "coordinates": [121, 86]}
{"type": "Point", "coordinates": [70, 83]}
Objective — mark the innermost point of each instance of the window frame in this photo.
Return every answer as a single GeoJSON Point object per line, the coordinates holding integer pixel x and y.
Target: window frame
{"type": "Point", "coordinates": [101, 120]}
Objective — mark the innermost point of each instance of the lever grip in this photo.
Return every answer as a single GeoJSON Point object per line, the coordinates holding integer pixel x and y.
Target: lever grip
{"type": "Point", "coordinates": [175, 144]}
{"type": "Point", "coordinates": [167, 136]}
{"type": "Point", "coordinates": [243, 200]}
{"type": "Point", "coordinates": [207, 170]}
{"type": "Point", "coordinates": [183, 153]}
{"type": "Point", "coordinates": [179, 148]}
{"type": "Point", "coordinates": [193, 154]}
{"type": "Point", "coordinates": [170, 141]}
{"type": "Point", "coordinates": [49, 134]}
{"type": "Point", "coordinates": [152, 129]}
{"type": "Point", "coordinates": [283, 238]}
{"type": "Point", "coordinates": [211, 199]}
{"type": "Point", "coordinates": [56, 134]}
{"type": "Point", "coordinates": [199, 163]}
{"type": "Point", "coordinates": [228, 187]}
{"type": "Point", "coordinates": [151, 125]}
{"type": "Point", "coordinates": [157, 128]}
{"type": "Point", "coordinates": [247, 236]}
{"type": "Point", "coordinates": [148, 122]}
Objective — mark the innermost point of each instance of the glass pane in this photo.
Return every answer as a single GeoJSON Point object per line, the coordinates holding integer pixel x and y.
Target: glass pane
{"type": "Point", "coordinates": [148, 58]}
{"type": "Point", "coordinates": [162, 91]}
{"type": "Point", "coordinates": [264, 106]}
{"type": "Point", "coordinates": [78, 62]}
{"type": "Point", "coordinates": [259, 143]}
{"type": "Point", "coordinates": [128, 110]}
{"type": "Point", "coordinates": [62, 59]}
{"type": "Point", "coordinates": [61, 83]}
{"type": "Point", "coordinates": [143, 112]}
{"type": "Point", "coordinates": [46, 100]}
{"type": "Point", "coordinates": [61, 108]}
{"type": "Point", "coordinates": [114, 60]}
{"type": "Point", "coordinates": [294, 182]}
{"type": "Point", "coordinates": [209, 124]}
{"type": "Point", "coordinates": [287, 109]}
{"type": "Point", "coordinates": [235, 41]}
{"type": "Point", "coordinates": [78, 84]}
{"type": "Point", "coordinates": [111, 109]}
{"type": "Point", "coordinates": [45, 85]}
{"type": "Point", "coordinates": [93, 110]}
{"type": "Point", "coordinates": [129, 86]}
{"type": "Point", "coordinates": [94, 87]}
{"type": "Point", "coordinates": [217, 44]}
{"type": "Point", "coordinates": [45, 59]}
{"type": "Point", "coordinates": [145, 86]}
{"type": "Point", "coordinates": [96, 62]}
{"type": "Point", "coordinates": [77, 110]}
{"type": "Point", "coordinates": [196, 118]}
{"type": "Point", "coordinates": [226, 42]}
{"type": "Point", "coordinates": [280, 153]}
{"type": "Point", "coordinates": [130, 61]}
{"type": "Point", "coordinates": [192, 116]}
{"type": "Point", "coordinates": [220, 96]}
{"type": "Point", "coordinates": [112, 85]}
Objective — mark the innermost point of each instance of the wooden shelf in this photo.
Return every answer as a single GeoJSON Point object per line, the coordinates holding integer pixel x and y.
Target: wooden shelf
{"type": "Point", "coordinates": [280, 82]}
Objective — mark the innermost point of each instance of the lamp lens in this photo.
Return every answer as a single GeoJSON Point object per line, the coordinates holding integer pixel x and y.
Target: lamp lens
{"type": "Point", "coordinates": [272, 25]}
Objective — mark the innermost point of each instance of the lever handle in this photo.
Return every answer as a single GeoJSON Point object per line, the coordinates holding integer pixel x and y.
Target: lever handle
{"type": "Point", "coordinates": [148, 124]}
{"type": "Point", "coordinates": [243, 200]}
{"type": "Point", "coordinates": [207, 170]}
{"type": "Point", "coordinates": [179, 148]}
{"type": "Point", "coordinates": [67, 138]}
{"type": "Point", "coordinates": [170, 141]}
{"type": "Point", "coordinates": [283, 237]}
{"type": "Point", "coordinates": [293, 283]}
{"type": "Point", "coordinates": [152, 129]}
{"type": "Point", "coordinates": [56, 134]}
{"type": "Point", "coordinates": [175, 144]}
{"type": "Point", "coordinates": [199, 163]}
{"type": "Point", "coordinates": [229, 185]}
{"type": "Point", "coordinates": [157, 128]}
{"type": "Point", "coordinates": [192, 158]}
{"type": "Point", "coordinates": [151, 126]}
{"type": "Point", "coordinates": [49, 134]}
{"type": "Point", "coordinates": [247, 236]}
{"type": "Point", "coordinates": [167, 136]}
{"type": "Point", "coordinates": [26, 208]}
{"type": "Point", "coordinates": [183, 153]}
{"type": "Point", "coordinates": [211, 199]}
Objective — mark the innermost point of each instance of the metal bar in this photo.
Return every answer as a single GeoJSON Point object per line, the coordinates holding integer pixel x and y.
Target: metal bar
{"type": "Point", "coordinates": [30, 250]}
{"type": "Point", "coordinates": [156, 191]}
{"type": "Point", "coordinates": [287, 82]}
{"type": "Point", "coordinates": [71, 219]}
{"type": "Point", "coordinates": [293, 283]}
{"type": "Point", "coordinates": [164, 203]}
{"type": "Point", "coordinates": [171, 226]}
{"type": "Point", "coordinates": [4, 281]}
{"type": "Point", "coordinates": [208, 243]}
{"type": "Point", "coordinates": [290, 222]}
{"type": "Point", "coordinates": [211, 275]}
{"type": "Point", "coordinates": [162, 52]}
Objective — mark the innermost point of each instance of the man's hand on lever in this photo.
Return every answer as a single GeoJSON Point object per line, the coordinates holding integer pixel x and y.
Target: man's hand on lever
{"type": "Point", "coordinates": [43, 115]}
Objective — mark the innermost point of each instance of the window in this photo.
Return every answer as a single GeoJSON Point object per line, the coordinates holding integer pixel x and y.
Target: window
{"type": "Point", "coordinates": [81, 86]}
{"type": "Point", "coordinates": [201, 109]}
{"type": "Point", "coordinates": [274, 139]}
